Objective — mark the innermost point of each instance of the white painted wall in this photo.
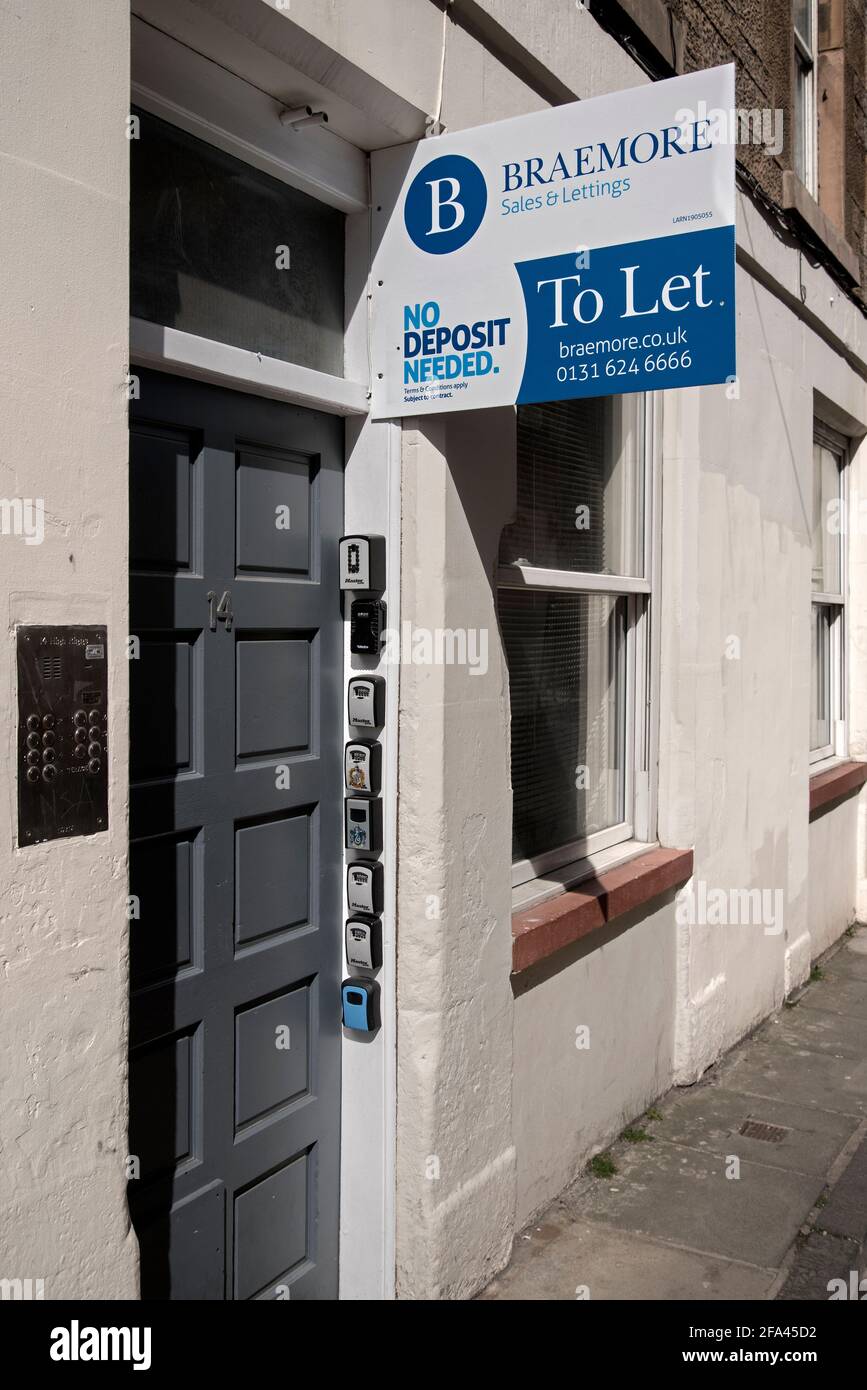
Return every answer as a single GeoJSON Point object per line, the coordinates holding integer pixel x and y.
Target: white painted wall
{"type": "Point", "coordinates": [733, 738]}
{"type": "Point", "coordinates": [570, 1100]}
{"type": "Point", "coordinates": [63, 930]}
{"type": "Point", "coordinates": [455, 1150]}
{"type": "Point", "coordinates": [400, 45]}
{"type": "Point", "coordinates": [832, 873]}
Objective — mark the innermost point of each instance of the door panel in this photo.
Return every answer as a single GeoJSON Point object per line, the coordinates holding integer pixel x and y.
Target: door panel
{"type": "Point", "coordinates": [235, 843]}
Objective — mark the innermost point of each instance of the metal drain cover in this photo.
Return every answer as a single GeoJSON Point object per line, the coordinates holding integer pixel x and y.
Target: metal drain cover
{"type": "Point", "coordinates": [769, 1134]}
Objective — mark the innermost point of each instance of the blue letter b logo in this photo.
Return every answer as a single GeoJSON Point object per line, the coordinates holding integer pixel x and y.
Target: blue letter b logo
{"type": "Point", "coordinates": [445, 204]}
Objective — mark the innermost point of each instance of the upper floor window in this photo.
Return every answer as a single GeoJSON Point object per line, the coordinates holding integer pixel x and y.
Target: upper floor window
{"type": "Point", "coordinates": [828, 634]}
{"type": "Point", "coordinates": [804, 102]}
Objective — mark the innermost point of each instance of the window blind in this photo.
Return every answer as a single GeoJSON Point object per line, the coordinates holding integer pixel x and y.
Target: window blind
{"type": "Point", "coordinates": [565, 661]}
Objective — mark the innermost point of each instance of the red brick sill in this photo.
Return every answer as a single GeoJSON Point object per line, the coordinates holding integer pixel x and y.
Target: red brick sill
{"type": "Point", "coordinates": [838, 781]}
{"type": "Point", "coordinates": [537, 932]}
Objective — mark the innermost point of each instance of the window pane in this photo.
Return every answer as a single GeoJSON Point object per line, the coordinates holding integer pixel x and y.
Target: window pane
{"type": "Point", "coordinates": [827, 521]}
{"type": "Point", "coordinates": [803, 12]}
{"type": "Point", "coordinates": [566, 657]}
{"type": "Point", "coordinates": [206, 232]}
{"type": "Point", "coordinates": [580, 487]}
{"type": "Point", "coordinates": [801, 137]}
{"type": "Point", "coordinates": [820, 703]}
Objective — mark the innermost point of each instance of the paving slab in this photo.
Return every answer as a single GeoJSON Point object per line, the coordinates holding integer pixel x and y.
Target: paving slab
{"type": "Point", "coordinates": [798, 1075]}
{"type": "Point", "coordinates": [559, 1260]}
{"type": "Point", "coordinates": [838, 993]}
{"type": "Point", "coordinates": [851, 959]}
{"type": "Point", "coordinates": [847, 966]}
{"type": "Point", "coordinates": [818, 1029]}
{"type": "Point", "coordinates": [711, 1116]}
{"type": "Point", "coordinates": [684, 1196]}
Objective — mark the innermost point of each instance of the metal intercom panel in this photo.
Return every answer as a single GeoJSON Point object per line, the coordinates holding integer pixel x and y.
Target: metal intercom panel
{"type": "Point", "coordinates": [62, 732]}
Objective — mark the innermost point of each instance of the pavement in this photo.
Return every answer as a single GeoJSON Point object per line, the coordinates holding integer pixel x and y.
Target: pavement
{"type": "Point", "coordinates": [678, 1218]}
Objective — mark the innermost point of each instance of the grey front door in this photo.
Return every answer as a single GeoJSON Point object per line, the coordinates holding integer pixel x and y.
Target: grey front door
{"type": "Point", "coordinates": [235, 843]}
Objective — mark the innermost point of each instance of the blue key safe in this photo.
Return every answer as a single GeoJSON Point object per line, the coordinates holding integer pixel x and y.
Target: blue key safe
{"type": "Point", "coordinates": [360, 1005]}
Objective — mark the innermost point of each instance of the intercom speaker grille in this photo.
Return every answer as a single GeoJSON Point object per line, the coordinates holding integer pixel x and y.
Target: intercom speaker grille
{"type": "Point", "coordinates": [51, 667]}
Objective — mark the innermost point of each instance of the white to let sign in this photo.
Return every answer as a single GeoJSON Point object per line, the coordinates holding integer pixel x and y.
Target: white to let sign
{"type": "Point", "coordinates": [587, 250]}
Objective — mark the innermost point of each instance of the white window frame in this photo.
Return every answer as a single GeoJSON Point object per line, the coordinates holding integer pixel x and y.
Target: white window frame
{"type": "Point", "coordinates": [837, 746]}
{"type": "Point", "coordinates": [805, 60]}
{"type": "Point", "coordinates": [639, 752]}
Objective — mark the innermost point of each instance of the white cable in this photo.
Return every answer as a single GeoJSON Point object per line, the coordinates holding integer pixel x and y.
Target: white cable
{"type": "Point", "coordinates": [433, 125]}
{"type": "Point", "coordinates": [369, 278]}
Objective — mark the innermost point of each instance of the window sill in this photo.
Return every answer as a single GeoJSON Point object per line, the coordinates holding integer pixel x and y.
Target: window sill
{"type": "Point", "coordinates": [540, 931]}
{"type": "Point", "coordinates": [797, 200]}
{"type": "Point", "coordinates": [552, 882]}
{"type": "Point", "coordinates": [841, 780]}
